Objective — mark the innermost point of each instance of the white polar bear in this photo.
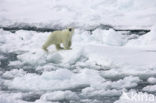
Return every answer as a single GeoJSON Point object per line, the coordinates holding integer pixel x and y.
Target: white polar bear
{"type": "Point", "coordinates": [58, 37]}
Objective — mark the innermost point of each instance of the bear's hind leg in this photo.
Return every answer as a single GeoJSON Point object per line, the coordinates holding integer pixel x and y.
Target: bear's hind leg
{"type": "Point", "coordinates": [45, 46]}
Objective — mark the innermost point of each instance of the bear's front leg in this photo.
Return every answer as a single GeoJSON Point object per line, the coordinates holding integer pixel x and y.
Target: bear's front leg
{"type": "Point", "coordinates": [66, 45]}
{"type": "Point", "coordinates": [58, 47]}
{"type": "Point", "coordinates": [69, 44]}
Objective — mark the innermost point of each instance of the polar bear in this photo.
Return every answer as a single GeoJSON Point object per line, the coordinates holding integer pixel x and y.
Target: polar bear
{"type": "Point", "coordinates": [58, 37]}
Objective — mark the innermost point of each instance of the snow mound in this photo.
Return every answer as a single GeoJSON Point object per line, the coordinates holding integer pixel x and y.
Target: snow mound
{"type": "Point", "coordinates": [146, 41]}
{"type": "Point", "coordinates": [109, 37]}
{"type": "Point", "coordinates": [100, 36]}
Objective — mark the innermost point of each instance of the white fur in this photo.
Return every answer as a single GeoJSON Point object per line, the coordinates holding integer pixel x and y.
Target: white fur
{"type": "Point", "coordinates": [58, 37]}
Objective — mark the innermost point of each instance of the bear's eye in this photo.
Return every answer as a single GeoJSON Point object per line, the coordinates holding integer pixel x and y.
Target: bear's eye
{"type": "Point", "coordinates": [70, 29]}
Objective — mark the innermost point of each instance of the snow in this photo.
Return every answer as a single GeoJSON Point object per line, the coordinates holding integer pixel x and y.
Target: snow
{"type": "Point", "coordinates": [60, 13]}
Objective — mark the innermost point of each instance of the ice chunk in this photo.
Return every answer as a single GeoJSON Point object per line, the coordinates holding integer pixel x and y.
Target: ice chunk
{"type": "Point", "coordinates": [2, 57]}
{"type": "Point", "coordinates": [11, 97]}
{"type": "Point", "coordinates": [127, 82]}
{"type": "Point", "coordinates": [60, 95]}
{"type": "Point", "coordinates": [152, 80]}
{"type": "Point", "coordinates": [47, 67]}
{"type": "Point", "coordinates": [93, 92]}
{"type": "Point", "coordinates": [15, 63]}
{"type": "Point", "coordinates": [54, 58]}
{"type": "Point", "coordinates": [110, 88]}
{"type": "Point", "coordinates": [14, 73]}
{"type": "Point", "coordinates": [33, 57]}
{"type": "Point", "coordinates": [82, 35]}
{"type": "Point", "coordinates": [150, 88]}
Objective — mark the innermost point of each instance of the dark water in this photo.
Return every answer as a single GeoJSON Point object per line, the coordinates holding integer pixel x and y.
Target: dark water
{"type": "Point", "coordinates": [14, 28]}
{"type": "Point", "coordinates": [7, 58]}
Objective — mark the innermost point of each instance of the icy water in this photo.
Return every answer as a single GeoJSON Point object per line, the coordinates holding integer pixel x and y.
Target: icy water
{"type": "Point", "coordinates": [33, 96]}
